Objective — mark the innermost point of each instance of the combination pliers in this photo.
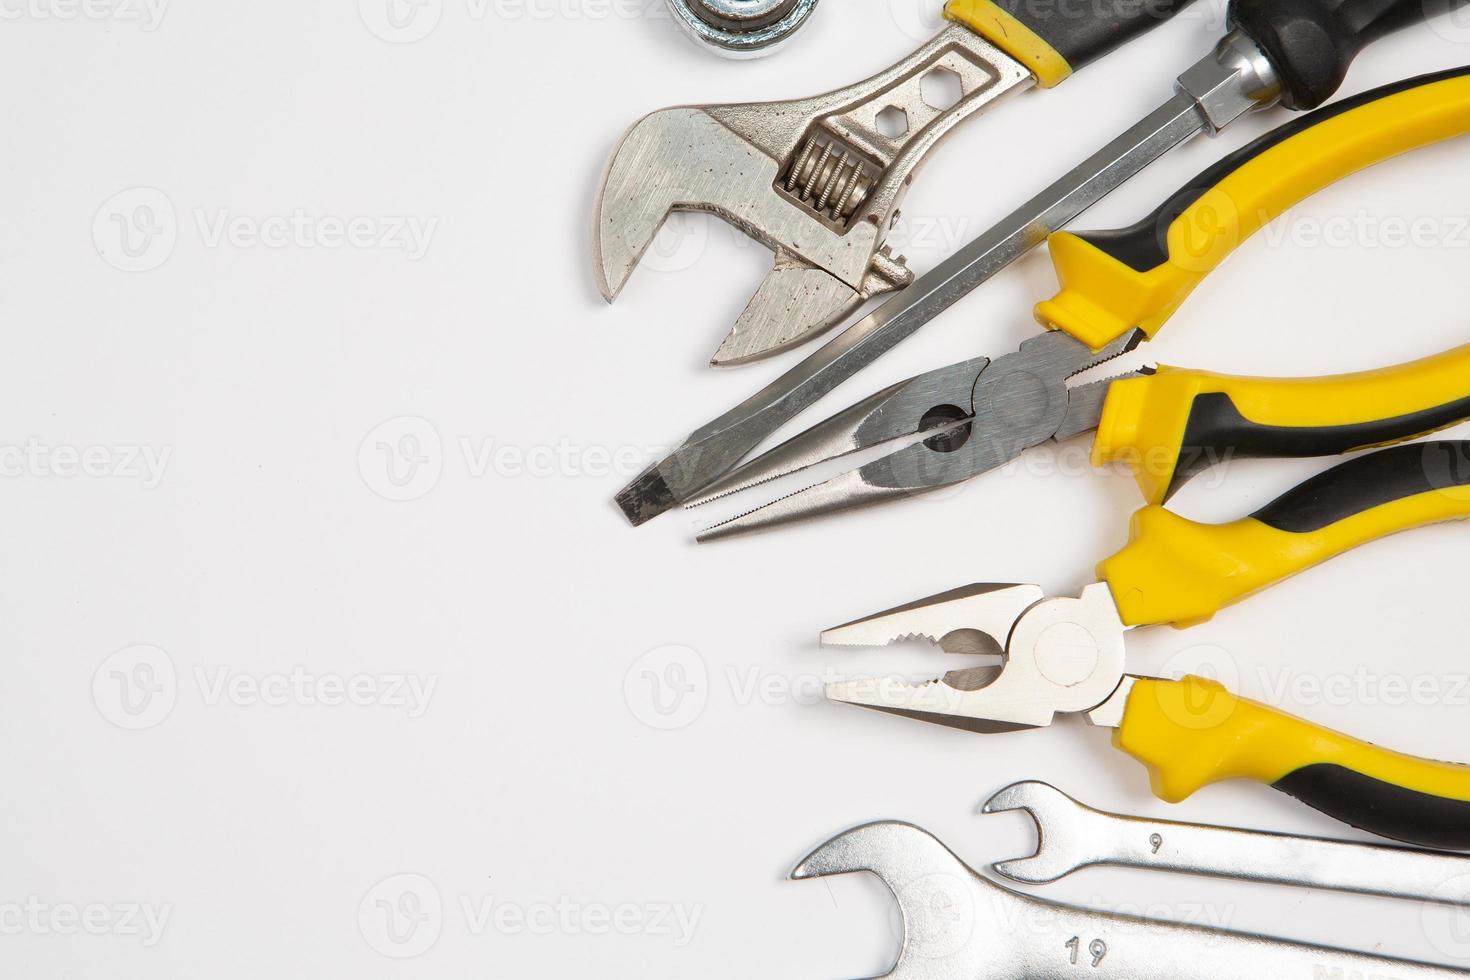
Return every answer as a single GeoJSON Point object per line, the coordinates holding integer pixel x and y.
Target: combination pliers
{"type": "Point", "coordinates": [1118, 289]}
{"type": "Point", "coordinates": [1066, 655]}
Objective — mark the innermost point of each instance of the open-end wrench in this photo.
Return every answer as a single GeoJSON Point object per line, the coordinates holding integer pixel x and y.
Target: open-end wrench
{"type": "Point", "coordinates": [959, 925]}
{"type": "Point", "coordinates": [1071, 836]}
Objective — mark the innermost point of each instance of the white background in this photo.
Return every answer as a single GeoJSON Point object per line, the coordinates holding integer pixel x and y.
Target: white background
{"type": "Point", "coordinates": [272, 832]}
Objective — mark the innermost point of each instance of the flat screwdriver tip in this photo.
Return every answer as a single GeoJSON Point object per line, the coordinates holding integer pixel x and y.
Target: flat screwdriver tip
{"type": "Point", "coordinates": [646, 497]}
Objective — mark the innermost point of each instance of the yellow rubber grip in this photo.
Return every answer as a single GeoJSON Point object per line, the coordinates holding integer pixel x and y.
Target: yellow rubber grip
{"type": "Point", "coordinates": [1174, 570]}
{"type": "Point", "coordinates": [1004, 31]}
{"type": "Point", "coordinates": [1121, 280]}
{"type": "Point", "coordinates": [1193, 732]}
{"type": "Point", "coordinates": [1167, 425]}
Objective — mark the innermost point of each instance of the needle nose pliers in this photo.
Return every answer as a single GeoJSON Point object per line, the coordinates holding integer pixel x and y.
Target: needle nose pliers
{"type": "Point", "coordinates": [1118, 290]}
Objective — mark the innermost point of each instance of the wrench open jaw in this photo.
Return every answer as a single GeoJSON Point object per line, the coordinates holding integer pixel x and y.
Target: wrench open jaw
{"type": "Point", "coordinates": [959, 924]}
{"type": "Point", "coordinates": [1071, 835]}
{"type": "Point", "coordinates": [818, 180]}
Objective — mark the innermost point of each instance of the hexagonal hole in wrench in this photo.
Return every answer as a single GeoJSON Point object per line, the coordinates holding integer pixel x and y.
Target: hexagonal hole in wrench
{"type": "Point", "coordinates": [892, 122]}
{"type": "Point", "coordinates": [940, 88]}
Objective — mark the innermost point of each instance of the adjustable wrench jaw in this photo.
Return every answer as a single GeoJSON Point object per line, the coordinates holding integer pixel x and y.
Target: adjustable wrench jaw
{"type": "Point", "coordinates": [818, 180]}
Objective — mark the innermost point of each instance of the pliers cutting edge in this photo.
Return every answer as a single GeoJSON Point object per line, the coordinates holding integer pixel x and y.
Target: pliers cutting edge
{"type": "Point", "coordinates": [1118, 289]}
{"type": "Point", "coordinates": [1066, 655]}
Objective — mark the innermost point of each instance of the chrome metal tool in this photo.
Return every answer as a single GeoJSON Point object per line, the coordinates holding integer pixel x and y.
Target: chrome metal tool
{"type": "Point", "coordinates": [1063, 655]}
{"type": "Point", "coordinates": [959, 925]}
{"type": "Point", "coordinates": [1071, 836]}
{"type": "Point", "coordinates": [1119, 288]}
{"type": "Point", "coordinates": [741, 28]}
{"type": "Point", "coordinates": [1292, 53]}
{"type": "Point", "coordinates": [821, 180]}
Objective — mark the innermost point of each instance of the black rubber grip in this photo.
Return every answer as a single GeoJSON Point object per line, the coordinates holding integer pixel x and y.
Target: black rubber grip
{"type": "Point", "coordinates": [1144, 246]}
{"type": "Point", "coordinates": [1381, 808]}
{"type": "Point", "coordinates": [1085, 30]}
{"type": "Point", "coordinates": [1369, 481]}
{"type": "Point", "coordinates": [1311, 43]}
{"type": "Point", "coordinates": [1216, 431]}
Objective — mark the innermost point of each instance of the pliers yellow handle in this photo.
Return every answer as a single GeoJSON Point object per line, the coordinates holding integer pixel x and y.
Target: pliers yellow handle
{"type": "Point", "coordinates": [1193, 732]}
{"type": "Point", "coordinates": [1170, 425]}
{"type": "Point", "coordinates": [1067, 655]}
{"type": "Point", "coordinates": [1181, 572]}
{"type": "Point", "coordinates": [1136, 277]}
{"type": "Point", "coordinates": [1118, 288]}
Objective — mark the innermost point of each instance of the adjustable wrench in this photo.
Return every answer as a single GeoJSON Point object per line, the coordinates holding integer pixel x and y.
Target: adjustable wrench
{"type": "Point", "coordinates": [820, 180]}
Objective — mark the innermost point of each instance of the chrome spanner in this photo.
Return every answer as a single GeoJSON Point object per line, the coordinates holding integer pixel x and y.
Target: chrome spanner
{"type": "Point", "coordinates": [959, 925]}
{"type": "Point", "coordinates": [1071, 836]}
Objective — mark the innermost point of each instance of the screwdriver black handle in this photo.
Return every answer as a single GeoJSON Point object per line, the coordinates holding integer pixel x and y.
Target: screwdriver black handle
{"type": "Point", "coordinates": [1311, 43]}
{"type": "Point", "coordinates": [1053, 38]}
